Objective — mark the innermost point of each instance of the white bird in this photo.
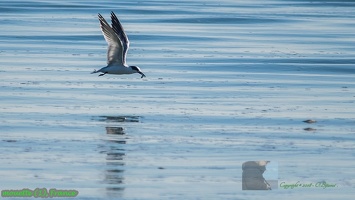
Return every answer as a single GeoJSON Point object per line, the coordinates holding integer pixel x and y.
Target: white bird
{"type": "Point", "coordinates": [118, 45]}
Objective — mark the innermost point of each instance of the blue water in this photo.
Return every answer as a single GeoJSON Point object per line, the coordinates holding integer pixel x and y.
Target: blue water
{"type": "Point", "coordinates": [227, 82]}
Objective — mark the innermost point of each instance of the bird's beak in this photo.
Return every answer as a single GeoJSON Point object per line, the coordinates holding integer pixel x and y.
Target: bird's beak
{"type": "Point", "coordinates": [141, 73]}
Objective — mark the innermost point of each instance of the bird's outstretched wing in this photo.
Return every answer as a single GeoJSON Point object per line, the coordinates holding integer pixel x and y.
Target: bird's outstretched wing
{"type": "Point", "coordinates": [117, 27]}
{"type": "Point", "coordinates": [117, 48]}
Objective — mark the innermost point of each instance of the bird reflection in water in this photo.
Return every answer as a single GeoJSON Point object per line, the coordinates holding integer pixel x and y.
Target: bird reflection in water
{"type": "Point", "coordinates": [114, 148]}
{"type": "Point", "coordinates": [111, 119]}
{"type": "Point", "coordinates": [114, 173]}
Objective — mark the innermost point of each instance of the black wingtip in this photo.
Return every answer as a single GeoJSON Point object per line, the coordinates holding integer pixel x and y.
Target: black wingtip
{"type": "Point", "coordinates": [113, 15]}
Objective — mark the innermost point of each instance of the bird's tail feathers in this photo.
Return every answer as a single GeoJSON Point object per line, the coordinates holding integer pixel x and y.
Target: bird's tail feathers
{"type": "Point", "coordinates": [95, 71]}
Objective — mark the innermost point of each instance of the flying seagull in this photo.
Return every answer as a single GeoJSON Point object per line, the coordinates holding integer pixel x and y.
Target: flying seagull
{"type": "Point", "coordinates": [118, 45]}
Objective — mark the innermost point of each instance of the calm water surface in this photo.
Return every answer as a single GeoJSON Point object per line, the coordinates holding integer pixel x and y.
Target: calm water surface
{"type": "Point", "coordinates": [227, 82]}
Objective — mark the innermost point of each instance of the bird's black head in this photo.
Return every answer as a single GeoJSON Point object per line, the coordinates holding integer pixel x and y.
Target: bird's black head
{"type": "Point", "coordinates": [136, 69]}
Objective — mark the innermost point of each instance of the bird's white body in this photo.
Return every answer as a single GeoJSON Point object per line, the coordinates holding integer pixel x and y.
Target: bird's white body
{"type": "Point", "coordinates": [118, 45]}
{"type": "Point", "coordinates": [116, 69]}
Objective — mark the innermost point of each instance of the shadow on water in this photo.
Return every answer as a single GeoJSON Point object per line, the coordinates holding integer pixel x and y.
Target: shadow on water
{"type": "Point", "coordinates": [115, 153]}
